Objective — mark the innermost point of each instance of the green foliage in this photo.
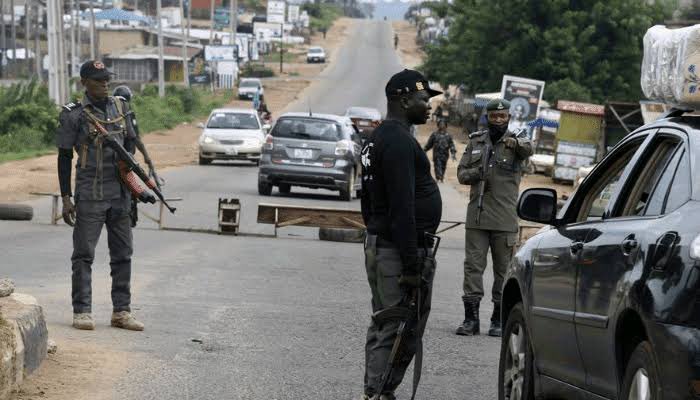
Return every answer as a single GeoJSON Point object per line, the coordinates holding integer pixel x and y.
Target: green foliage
{"type": "Point", "coordinates": [28, 117]}
{"type": "Point", "coordinates": [251, 70]}
{"type": "Point", "coordinates": [439, 8]}
{"type": "Point", "coordinates": [322, 14]}
{"type": "Point", "coordinates": [590, 49]}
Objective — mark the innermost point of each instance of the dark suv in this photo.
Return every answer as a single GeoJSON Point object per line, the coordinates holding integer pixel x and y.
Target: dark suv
{"type": "Point", "coordinates": [604, 303]}
{"type": "Point", "coordinates": [311, 150]}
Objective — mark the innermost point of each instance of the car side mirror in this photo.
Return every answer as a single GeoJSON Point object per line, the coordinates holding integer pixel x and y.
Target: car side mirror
{"type": "Point", "coordinates": [538, 205]}
{"type": "Point", "coordinates": [200, 125]}
{"type": "Point", "coordinates": [267, 127]}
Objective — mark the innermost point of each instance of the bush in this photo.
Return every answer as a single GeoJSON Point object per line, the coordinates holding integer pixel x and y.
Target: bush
{"type": "Point", "coordinates": [256, 71]}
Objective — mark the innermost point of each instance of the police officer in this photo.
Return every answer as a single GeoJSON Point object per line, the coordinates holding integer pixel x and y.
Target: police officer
{"type": "Point", "coordinates": [401, 202]}
{"type": "Point", "coordinates": [497, 227]}
{"type": "Point", "coordinates": [101, 197]}
{"type": "Point", "coordinates": [442, 144]}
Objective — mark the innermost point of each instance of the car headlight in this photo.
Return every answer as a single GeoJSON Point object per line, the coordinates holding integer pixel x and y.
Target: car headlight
{"type": "Point", "coordinates": [208, 140]}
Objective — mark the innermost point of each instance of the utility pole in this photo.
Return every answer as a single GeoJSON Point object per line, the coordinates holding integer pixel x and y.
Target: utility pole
{"type": "Point", "coordinates": [211, 20]}
{"type": "Point", "coordinates": [185, 41]}
{"type": "Point", "coordinates": [73, 55]}
{"type": "Point", "coordinates": [233, 20]}
{"type": "Point", "coordinates": [281, 45]}
{"type": "Point", "coordinates": [37, 50]}
{"type": "Point", "coordinates": [189, 28]}
{"type": "Point", "coordinates": [13, 33]}
{"type": "Point", "coordinates": [79, 36]}
{"type": "Point", "coordinates": [136, 5]}
{"type": "Point", "coordinates": [26, 38]}
{"type": "Point", "coordinates": [57, 65]}
{"type": "Point", "coordinates": [161, 67]}
{"type": "Point", "coordinates": [3, 45]}
{"type": "Point", "coordinates": [92, 31]}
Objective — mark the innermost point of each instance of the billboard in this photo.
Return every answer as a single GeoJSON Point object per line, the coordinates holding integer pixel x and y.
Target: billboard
{"type": "Point", "coordinates": [293, 13]}
{"type": "Point", "coordinates": [276, 11]}
{"type": "Point", "coordinates": [525, 96]}
{"type": "Point", "coordinates": [220, 53]}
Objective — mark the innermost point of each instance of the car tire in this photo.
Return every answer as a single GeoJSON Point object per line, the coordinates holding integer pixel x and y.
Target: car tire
{"type": "Point", "coordinates": [264, 189]}
{"type": "Point", "coordinates": [16, 212]}
{"type": "Point", "coordinates": [514, 378]}
{"type": "Point", "coordinates": [342, 235]}
{"type": "Point", "coordinates": [204, 161]}
{"type": "Point", "coordinates": [285, 188]}
{"type": "Point", "coordinates": [641, 372]}
{"type": "Point", "coordinates": [347, 192]}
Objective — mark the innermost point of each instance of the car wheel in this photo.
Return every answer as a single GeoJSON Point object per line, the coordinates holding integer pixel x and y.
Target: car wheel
{"type": "Point", "coordinates": [641, 375]}
{"type": "Point", "coordinates": [347, 191]}
{"type": "Point", "coordinates": [264, 189]}
{"type": "Point", "coordinates": [204, 161]}
{"type": "Point", "coordinates": [515, 369]}
{"type": "Point", "coordinates": [16, 212]}
{"type": "Point", "coordinates": [285, 188]}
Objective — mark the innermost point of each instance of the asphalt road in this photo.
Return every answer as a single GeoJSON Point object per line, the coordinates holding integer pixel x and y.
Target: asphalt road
{"type": "Point", "coordinates": [277, 318]}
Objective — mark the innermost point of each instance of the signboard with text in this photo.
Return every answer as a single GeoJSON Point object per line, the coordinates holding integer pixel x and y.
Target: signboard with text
{"type": "Point", "coordinates": [525, 96]}
{"type": "Point", "coordinates": [276, 11]}
{"type": "Point", "coordinates": [221, 53]}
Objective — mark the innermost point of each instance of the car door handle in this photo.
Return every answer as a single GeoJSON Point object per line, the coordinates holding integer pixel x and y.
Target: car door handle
{"type": "Point", "coordinates": [628, 245]}
{"type": "Point", "coordinates": [576, 247]}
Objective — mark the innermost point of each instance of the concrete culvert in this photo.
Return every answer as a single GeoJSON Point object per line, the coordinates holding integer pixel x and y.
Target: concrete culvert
{"type": "Point", "coordinates": [342, 235]}
{"type": "Point", "coordinates": [16, 212]}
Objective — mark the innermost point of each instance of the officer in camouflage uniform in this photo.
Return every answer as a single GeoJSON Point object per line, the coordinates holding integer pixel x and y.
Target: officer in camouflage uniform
{"type": "Point", "coordinates": [498, 225]}
{"type": "Point", "coordinates": [442, 144]}
{"type": "Point", "coordinates": [101, 197]}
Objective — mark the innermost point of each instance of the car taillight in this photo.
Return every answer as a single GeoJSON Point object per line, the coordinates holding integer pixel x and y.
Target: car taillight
{"type": "Point", "coordinates": [342, 148]}
{"type": "Point", "coordinates": [269, 142]}
{"type": "Point", "coordinates": [695, 248]}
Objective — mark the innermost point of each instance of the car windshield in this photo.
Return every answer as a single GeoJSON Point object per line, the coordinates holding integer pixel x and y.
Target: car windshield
{"type": "Point", "coordinates": [233, 121]}
{"type": "Point", "coordinates": [315, 50]}
{"type": "Point", "coordinates": [249, 84]}
{"type": "Point", "coordinates": [308, 128]}
{"type": "Point", "coordinates": [364, 113]}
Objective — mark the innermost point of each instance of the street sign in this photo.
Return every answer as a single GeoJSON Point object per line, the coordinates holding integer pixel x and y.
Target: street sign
{"type": "Point", "coordinates": [525, 96]}
{"type": "Point", "coordinates": [276, 11]}
{"type": "Point", "coordinates": [221, 53]}
{"type": "Point", "coordinates": [293, 13]}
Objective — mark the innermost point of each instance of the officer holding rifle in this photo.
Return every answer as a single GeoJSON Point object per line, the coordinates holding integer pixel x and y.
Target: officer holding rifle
{"type": "Point", "coordinates": [492, 165]}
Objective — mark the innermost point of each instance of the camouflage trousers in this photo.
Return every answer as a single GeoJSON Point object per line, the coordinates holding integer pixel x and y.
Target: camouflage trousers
{"type": "Point", "coordinates": [476, 246]}
{"type": "Point", "coordinates": [384, 267]}
{"type": "Point", "coordinates": [439, 165]}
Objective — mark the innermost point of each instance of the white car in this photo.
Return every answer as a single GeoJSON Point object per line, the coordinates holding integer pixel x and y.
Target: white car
{"type": "Point", "coordinates": [231, 134]}
{"type": "Point", "coordinates": [248, 86]}
{"type": "Point", "coordinates": [316, 54]}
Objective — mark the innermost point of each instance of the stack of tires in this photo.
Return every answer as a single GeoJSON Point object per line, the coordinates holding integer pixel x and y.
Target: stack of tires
{"type": "Point", "coordinates": [16, 212]}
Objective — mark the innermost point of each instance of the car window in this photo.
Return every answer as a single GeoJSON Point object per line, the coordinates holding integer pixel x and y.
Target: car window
{"type": "Point", "coordinates": [680, 188]}
{"type": "Point", "coordinates": [655, 206]}
{"type": "Point", "coordinates": [308, 128]}
{"type": "Point", "coordinates": [250, 84]}
{"type": "Point", "coordinates": [598, 198]}
{"type": "Point", "coordinates": [233, 121]}
{"type": "Point", "coordinates": [646, 179]}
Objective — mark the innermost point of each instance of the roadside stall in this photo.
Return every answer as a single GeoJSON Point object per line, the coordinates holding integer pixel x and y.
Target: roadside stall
{"type": "Point", "coordinates": [578, 138]}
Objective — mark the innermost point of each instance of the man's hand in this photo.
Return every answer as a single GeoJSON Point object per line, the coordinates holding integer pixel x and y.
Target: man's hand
{"type": "Point", "coordinates": [147, 197]}
{"type": "Point", "coordinates": [410, 281]}
{"type": "Point", "coordinates": [511, 142]}
{"type": "Point", "coordinates": [68, 212]}
{"type": "Point", "coordinates": [454, 158]}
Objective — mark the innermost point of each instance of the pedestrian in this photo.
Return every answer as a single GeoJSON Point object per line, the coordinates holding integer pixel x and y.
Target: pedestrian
{"type": "Point", "coordinates": [496, 225]}
{"type": "Point", "coordinates": [262, 109]}
{"type": "Point", "coordinates": [442, 145]}
{"type": "Point", "coordinates": [396, 41]}
{"type": "Point", "coordinates": [256, 98]}
{"type": "Point", "coordinates": [401, 207]}
{"type": "Point", "coordinates": [124, 93]}
{"type": "Point", "coordinates": [437, 114]}
{"type": "Point", "coordinates": [101, 195]}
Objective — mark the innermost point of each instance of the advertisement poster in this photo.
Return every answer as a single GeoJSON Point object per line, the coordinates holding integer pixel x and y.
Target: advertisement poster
{"type": "Point", "coordinates": [276, 11]}
{"type": "Point", "coordinates": [525, 96]}
{"type": "Point", "coordinates": [221, 53]}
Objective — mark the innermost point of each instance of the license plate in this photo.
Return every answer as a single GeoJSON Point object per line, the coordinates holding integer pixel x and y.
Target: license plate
{"type": "Point", "coordinates": [231, 151]}
{"type": "Point", "coordinates": [303, 153]}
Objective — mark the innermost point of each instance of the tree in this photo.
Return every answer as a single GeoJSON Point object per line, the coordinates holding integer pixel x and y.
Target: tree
{"type": "Point", "coordinates": [585, 48]}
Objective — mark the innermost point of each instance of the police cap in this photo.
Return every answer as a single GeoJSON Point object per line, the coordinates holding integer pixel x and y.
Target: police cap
{"type": "Point", "coordinates": [408, 81]}
{"type": "Point", "coordinates": [94, 69]}
{"type": "Point", "coordinates": [498, 105]}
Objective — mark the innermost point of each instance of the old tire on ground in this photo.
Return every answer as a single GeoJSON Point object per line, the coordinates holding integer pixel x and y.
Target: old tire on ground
{"type": "Point", "coordinates": [342, 235]}
{"type": "Point", "coordinates": [16, 212]}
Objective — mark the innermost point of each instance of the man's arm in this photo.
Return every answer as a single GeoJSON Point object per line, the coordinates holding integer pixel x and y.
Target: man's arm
{"type": "Point", "coordinates": [431, 142]}
{"type": "Point", "coordinates": [466, 175]}
{"type": "Point", "coordinates": [453, 149]}
{"type": "Point", "coordinates": [398, 167]}
{"type": "Point", "coordinates": [66, 136]}
{"type": "Point", "coordinates": [524, 146]}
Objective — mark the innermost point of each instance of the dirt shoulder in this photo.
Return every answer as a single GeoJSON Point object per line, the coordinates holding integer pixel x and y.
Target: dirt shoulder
{"type": "Point", "coordinates": [178, 146]}
{"type": "Point", "coordinates": [410, 53]}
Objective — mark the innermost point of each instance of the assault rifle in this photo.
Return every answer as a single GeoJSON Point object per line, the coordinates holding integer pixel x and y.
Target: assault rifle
{"type": "Point", "coordinates": [131, 163]}
{"type": "Point", "coordinates": [410, 315]}
{"type": "Point", "coordinates": [483, 175]}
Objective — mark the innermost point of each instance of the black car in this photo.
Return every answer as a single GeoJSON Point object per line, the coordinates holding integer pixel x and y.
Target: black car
{"type": "Point", "coordinates": [604, 302]}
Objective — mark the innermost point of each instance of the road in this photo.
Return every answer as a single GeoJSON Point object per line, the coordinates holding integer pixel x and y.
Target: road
{"type": "Point", "coordinates": [249, 317]}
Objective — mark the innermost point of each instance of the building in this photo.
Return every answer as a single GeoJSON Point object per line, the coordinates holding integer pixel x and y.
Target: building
{"type": "Point", "coordinates": [140, 64]}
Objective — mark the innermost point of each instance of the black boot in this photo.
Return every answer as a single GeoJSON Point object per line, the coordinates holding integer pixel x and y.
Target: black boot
{"type": "Point", "coordinates": [470, 326]}
{"type": "Point", "coordinates": [495, 329]}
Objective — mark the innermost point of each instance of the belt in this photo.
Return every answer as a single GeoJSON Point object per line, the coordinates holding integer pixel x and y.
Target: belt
{"type": "Point", "coordinates": [384, 243]}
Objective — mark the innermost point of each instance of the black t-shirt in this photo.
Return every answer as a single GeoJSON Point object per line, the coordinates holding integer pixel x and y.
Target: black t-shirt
{"type": "Point", "coordinates": [400, 198]}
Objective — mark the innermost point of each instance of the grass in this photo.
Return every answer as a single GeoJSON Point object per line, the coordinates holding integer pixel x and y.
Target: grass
{"type": "Point", "coordinates": [288, 57]}
{"type": "Point", "coordinates": [23, 155]}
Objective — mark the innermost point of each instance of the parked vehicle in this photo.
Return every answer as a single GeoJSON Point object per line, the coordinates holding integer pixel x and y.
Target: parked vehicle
{"type": "Point", "coordinates": [605, 302]}
{"type": "Point", "coordinates": [365, 120]}
{"type": "Point", "coordinates": [311, 150]}
{"type": "Point", "coordinates": [248, 86]}
{"type": "Point", "coordinates": [316, 55]}
{"type": "Point", "coordinates": [231, 134]}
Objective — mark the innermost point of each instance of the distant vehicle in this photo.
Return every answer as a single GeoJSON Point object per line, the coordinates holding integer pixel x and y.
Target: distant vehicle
{"type": "Point", "coordinates": [541, 163]}
{"type": "Point", "coordinates": [248, 86]}
{"type": "Point", "coordinates": [365, 120]}
{"type": "Point", "coordinates": [318, 151]}
{"type": "Point", "coordinates": [316, 54]}
{"type": "Point", "coordinates": [231, 134]}
{"type": "Point", "coordinates": [604, 302]}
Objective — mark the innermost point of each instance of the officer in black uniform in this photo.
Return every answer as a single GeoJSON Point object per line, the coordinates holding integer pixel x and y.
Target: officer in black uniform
{"type": "Point", "coordinates": [401, 202]}
{"type": "Point", "coordinates": [442, 145]}
{"type": "Point", "coordinates": [101, 197]}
